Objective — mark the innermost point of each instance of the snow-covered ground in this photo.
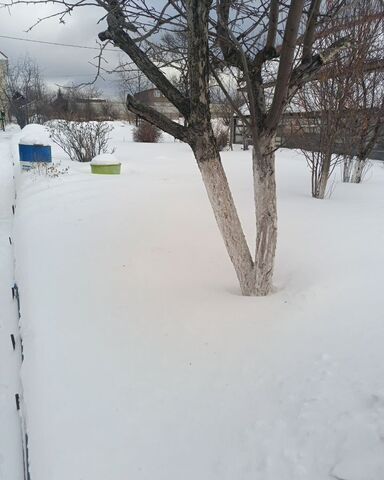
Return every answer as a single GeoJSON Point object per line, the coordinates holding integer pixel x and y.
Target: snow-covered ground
{"type": "Point", "coordinates": [143, 362]}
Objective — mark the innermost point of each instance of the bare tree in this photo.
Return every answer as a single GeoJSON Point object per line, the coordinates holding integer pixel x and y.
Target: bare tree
{"type": "Point", "coordinates": [342, 108]}
{"type": "Point", "coordinates": [322, 121]}
{"type": "Point", "coordinates": [26, 92]}
{"type": "Point", "coordinates": [364, 125]}
{"type": "Point", "coordinates": [323, 104]}
{"type": "Point", "coordinates": [285, 33]}
{"type": "Point", "coordinates": [366, 106]}
{"type": "Point", "coordinates": [223, 36]}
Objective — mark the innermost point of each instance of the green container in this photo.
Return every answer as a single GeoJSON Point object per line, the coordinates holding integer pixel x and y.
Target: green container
{"type": "Point", "coordinates": [106, 169]}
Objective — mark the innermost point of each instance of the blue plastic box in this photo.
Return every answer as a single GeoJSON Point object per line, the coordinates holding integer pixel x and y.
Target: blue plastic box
{"type": "Point", "coordinates": [35, 153]}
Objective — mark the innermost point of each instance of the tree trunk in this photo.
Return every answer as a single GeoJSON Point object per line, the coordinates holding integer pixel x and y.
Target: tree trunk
{"type": "Point", "coordinates": [321, 181]}
{"type": "Point", "coordinates": [347, 169]}
{"type": "Point", "coordinates": [224, 209]}
{"type": "Point", "coordinates": [21, 117]}
{"type": "Point", "coordinates": [266, 214]}
{"type": "Point", "coordinates": [322, 185]}
{"type": "Point", "coordinates": [358, 169]}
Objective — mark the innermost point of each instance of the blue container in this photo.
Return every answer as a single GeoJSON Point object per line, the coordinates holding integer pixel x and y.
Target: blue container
{"type": "Point", "coordinates": [35, 153]}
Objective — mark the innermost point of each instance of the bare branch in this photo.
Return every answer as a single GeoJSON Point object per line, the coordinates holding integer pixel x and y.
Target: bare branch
{"type": "Point", "coordinates": [310, 30]}
{"type": "Point", "coordinates": [156, 118]}
{"type": "Point", "coordinates": [120, 38]}
{"type": "Point", "coordinates": [285, 66]}
{"type": "Point", "coordinates": [273, 22]}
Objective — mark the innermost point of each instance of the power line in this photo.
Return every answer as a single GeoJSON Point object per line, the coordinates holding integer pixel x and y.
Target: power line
{"type": "Point", "coordinates": [56, 43]}
{"type": "Point", "coordinates": [69, 75]}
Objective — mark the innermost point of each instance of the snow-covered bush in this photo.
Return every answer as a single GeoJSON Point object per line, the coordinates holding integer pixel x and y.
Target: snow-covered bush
{"type": "Point", "coordinates": [81, 141]}
{"type": "Point", "coordinates": [146, 132]}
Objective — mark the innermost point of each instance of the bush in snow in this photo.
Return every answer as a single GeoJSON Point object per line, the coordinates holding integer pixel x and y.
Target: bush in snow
{"type": "Point", "coordinates": [81, 141]}
{"type": "Point", "coordinates": [146, 132]}
{"type": "Point", "coordinates": [221, 135]}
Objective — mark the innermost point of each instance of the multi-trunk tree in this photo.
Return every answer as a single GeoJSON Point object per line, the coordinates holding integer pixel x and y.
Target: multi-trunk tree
{"type": "Point", "coordinates": [366, 103]}
{"type": "Point", "coordinates": [322, 120]}
{"type": "Point", "coordinates": [344, 103]}
{"type": "Point", "coordinates": [222, 36]}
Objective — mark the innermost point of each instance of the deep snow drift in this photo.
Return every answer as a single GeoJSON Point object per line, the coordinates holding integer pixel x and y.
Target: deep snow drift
{"type": "Point", "coordinates": [143, 362]}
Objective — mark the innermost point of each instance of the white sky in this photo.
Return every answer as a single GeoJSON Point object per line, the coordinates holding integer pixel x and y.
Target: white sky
{"type": "Point", "coordinates": [59, 65]}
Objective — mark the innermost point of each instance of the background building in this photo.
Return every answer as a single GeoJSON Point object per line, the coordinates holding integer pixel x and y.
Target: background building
{"type": "Point", "coordinates": [154, 98]}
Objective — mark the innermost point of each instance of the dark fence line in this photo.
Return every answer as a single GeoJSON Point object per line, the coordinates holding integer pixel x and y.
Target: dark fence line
{"type": "Point", "coordinates": [300, 130]}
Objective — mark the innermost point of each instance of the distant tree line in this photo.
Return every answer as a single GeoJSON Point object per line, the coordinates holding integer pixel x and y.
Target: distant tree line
{"type": "Point", "coordinates": [31, 101]}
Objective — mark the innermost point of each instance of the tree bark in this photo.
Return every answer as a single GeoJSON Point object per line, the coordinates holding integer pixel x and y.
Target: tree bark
{"type": "Point", "coordinates": [319, 187]}
{"type": "Point", "coordinates": [322, 186]}
{"type": "Point", "coordinates": [347, 169]}
{"type": "Point", "coordinates": [266, 214]}
{"type": "Point", "coordinates": [204, 146]}
{"type": "Point", "coordinates": [358, 169]}
{"type": "Point", "coordinates": [220, 197]}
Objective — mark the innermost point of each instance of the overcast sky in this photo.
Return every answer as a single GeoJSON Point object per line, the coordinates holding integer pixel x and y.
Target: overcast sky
{"type": "Point", "coordinates": [59, 65]}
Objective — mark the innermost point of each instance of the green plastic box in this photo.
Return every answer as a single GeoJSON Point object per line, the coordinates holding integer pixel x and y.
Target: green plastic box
{"type": "Point", "coordinates": [106, 169]}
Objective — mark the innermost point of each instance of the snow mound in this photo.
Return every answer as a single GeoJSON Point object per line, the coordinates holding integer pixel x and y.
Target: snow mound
{"type": "Point", "coordinates": [105, 159]}
{"type": "Point", "coordinates": [32, 140]}
{"type": "Point", "coordinates": [34, 135]}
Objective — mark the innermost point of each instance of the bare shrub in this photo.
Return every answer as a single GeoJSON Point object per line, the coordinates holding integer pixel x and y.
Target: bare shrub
{"type": "Point", "coordinates": [222, 136]}
{"type": "Point", "coordinates": [322, 163]}
{"type": "Point", "coordinates": [146, 132]}
{"type": "Point", "coordinates": [342, 109]}
{"type": "Point", "coordinates": [81, 141]}
{"type": "Point", "coordinates": [51, 170]}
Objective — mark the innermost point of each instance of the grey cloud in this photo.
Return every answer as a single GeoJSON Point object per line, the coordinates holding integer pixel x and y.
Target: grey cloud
{"type": "Point", "coordinates": [58, 64]}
